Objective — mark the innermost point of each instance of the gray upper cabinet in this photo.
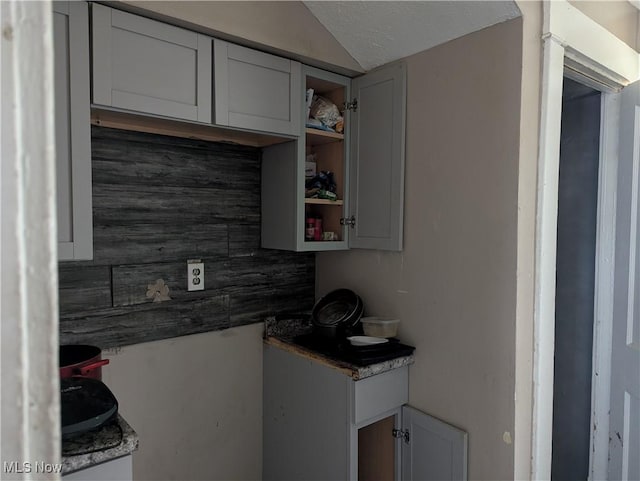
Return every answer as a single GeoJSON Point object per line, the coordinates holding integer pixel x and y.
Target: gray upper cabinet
{"type": "Point", "coordinates": [72, 127]}
{"type": "Point", "coordinates": [255, 90]}
{"type": "Point", "coordinates": [148, 66]}
{"type": "Point", "coordinates": [376, 189]}
{"type": "Point", "coordinates": [366, 161]}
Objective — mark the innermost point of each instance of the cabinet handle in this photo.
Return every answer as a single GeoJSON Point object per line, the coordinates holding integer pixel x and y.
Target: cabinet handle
{"type": "Point", "coordinates": [350, 221]}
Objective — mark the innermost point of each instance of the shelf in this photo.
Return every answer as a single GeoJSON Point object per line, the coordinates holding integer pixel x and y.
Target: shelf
{"type": "Point", "coordinates": [318, 137]}
{"type": "Point", "coordinates": [323, 201]}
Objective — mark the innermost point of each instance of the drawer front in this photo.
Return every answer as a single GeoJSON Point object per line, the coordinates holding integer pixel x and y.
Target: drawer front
{"type": "Point", "coordinates": [381, 393]}
{"type": "Point", "coordinates": [148, 66]}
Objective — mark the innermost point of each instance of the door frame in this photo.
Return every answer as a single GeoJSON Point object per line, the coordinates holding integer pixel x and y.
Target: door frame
{"type": "Point", "coordinates": [30, 375]}
{"type": "Point", "coordinates": [578, 47]}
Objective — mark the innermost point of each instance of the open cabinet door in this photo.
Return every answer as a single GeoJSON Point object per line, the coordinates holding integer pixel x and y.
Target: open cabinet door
{"type": "Point", "coordinates": [376, 175]}
{"type": "Point", "coordinates": [624, 421]}
{"type": "Point", "coordinates": [436, 451]}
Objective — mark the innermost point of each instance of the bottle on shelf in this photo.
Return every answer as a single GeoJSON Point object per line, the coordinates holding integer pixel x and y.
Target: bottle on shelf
{"type": "Point", "coordinates": [310, 229]}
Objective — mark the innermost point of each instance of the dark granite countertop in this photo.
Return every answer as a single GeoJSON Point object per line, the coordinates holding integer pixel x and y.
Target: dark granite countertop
{"type": "Point", "coordinates": [280, 332]}
{"type": "Point", "coordinates": [109, 442]}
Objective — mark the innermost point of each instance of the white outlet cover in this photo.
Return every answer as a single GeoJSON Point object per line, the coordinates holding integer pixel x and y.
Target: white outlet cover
{"type": "Point", "coordinates": [195, 276]}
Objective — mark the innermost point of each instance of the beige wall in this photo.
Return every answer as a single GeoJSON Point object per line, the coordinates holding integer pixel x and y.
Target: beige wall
{"type": "Point", "coordinates": [618, 16]}
{"type": "Point", "coordinates": [196, 403]}
{"type": "Point", "coordinates": [454, 285]}
{"type": "Point", "coordinates": [287, 28]}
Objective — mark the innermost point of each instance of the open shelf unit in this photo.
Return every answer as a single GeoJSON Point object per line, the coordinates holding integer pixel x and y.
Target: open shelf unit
{"type": "Point", "coordinates": [286, 209]}
{"type": "Point", "coordinates": [330, 152]}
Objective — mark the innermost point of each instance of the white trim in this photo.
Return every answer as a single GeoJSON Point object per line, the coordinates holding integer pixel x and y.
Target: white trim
{"type": "Point", "coordinates": [546, 236]}
{"type": "Point", "coordinates": [589, 43]}
{"type": "Point", "coordinates": [29, 275]}
{"type": "Point", "coordinates": [603, 292]}
{"type": "Point", "coordinates": [633, 232]}
{"type": "Point", "coordinates": [574, 40]}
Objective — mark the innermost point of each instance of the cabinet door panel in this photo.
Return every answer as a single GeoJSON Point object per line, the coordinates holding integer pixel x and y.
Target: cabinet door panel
{"type": "Point", "coordinates": [305, 422]}
{"type": "Point", "coordinates": [255, 90]}
{"type": "Point", "coordinates": [148, 66]}
{"type": "Point", "coordinates": [377, 159]}
{"type": "Point", "coordinates": [436, 449]}
{"type": "Point", "coordinates": [73, 135]}
{"type": "Point", "coordinates": [62, 126]}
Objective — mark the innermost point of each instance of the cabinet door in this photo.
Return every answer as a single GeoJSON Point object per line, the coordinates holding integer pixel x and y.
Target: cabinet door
{"type": "Point", "coordinates": [148, 66]}
{"type": "Point", "coordinates": [305, 420]}
{"type": "Point", "coordinates": [435, 450]}
{"type": "Point", "coordinates": [73, 134]}
{"type": "Point", "coordinates": [376, 188]}
{"type": "Point", "coordinates": [255, 90]}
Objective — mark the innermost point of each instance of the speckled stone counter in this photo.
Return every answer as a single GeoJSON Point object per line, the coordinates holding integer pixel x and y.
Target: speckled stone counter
{"type": "Point", "coordinates": [110, 442]}
{"type": "Point", "coordinates": [280, 332]}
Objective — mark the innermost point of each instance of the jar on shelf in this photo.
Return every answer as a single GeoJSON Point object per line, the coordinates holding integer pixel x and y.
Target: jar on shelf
{"type": "Point", "coordinates": [310, 229]}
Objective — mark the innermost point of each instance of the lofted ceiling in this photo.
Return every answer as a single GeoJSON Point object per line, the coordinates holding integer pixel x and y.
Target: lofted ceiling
{"type": "Point", "coordinates": [378, 32]}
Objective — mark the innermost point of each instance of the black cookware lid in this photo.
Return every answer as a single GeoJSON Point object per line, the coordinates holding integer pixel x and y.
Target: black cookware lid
{"type": "Point", "coordinates": [86, 404]}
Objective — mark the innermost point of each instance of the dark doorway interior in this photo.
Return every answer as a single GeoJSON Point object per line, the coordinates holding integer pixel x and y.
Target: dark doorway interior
{"type": "Point", "coordinates": [575, 281]}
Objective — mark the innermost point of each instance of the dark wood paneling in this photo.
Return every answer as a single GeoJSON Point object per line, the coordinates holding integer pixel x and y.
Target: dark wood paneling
{"type": "Point", "coordinates": [157, 202]}
{"type": "Point", "coordinates": [126, 204]}
{"type": "Point", "coordinates": [249, 308]}
{"type": "Point", "coordinates": [148, 322]}
{"type": "Point", "coordinates": [82, 287]}
{"type": "Point", "coordinates": [244, 239]}
{"type": "Point", "coordinates": [135, 161]}
{"type": "Point", "coordinates": [134, 244]}
{"type": "Point", "coordinates": [130, 282]}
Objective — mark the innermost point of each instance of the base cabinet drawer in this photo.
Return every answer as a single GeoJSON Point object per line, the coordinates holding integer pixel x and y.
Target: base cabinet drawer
{"type": "Point", "coordinates": [380, 394]}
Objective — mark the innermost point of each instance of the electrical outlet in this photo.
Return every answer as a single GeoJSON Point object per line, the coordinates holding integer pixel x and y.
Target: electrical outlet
{"type": "Point", "coordinates": [195, 275]}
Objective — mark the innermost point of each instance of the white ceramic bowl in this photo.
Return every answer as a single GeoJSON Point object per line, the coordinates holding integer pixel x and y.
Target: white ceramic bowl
{"type": "Point", "coordinates": [366, 340]}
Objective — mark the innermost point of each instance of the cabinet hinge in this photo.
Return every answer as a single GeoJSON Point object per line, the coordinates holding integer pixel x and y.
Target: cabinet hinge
{"type": "Point", "coordinates": [353, 105]}
{"type": "Point", "coordinates": [400, 434]}
{"type": "Point", "coordinates": [348, 221]}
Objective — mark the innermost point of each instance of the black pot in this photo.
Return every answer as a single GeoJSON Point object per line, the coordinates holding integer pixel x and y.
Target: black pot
{"type": "Point", "coordinates": [339, 307]}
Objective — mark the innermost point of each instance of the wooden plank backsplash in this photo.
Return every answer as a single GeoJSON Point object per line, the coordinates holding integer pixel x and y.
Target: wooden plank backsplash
{"type": "Point", "coordinates": [158, 201]}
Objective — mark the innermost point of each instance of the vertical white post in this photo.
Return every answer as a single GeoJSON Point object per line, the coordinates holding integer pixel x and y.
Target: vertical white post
{"type": "Point", "coordinates": [30, 397]}
{"type": "Point", "coordinates": [604, 283]}
{"type": "Point", "coordinates": [546, 239]}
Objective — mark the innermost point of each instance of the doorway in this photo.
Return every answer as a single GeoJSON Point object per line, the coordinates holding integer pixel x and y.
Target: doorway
{"type": "Point", "coordinates": [575, 280]}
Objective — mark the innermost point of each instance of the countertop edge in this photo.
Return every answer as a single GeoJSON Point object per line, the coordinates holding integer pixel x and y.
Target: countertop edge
{"type": "Point", "coordinates": [128, 445]}
{"type": "Point", "coordinates": [355, 372]}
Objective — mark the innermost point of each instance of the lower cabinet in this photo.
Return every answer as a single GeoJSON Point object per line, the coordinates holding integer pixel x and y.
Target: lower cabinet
{"type": "Point", "coordinates": [119, 469]}
{"type": "Point", "coordinates": [320, 424]}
